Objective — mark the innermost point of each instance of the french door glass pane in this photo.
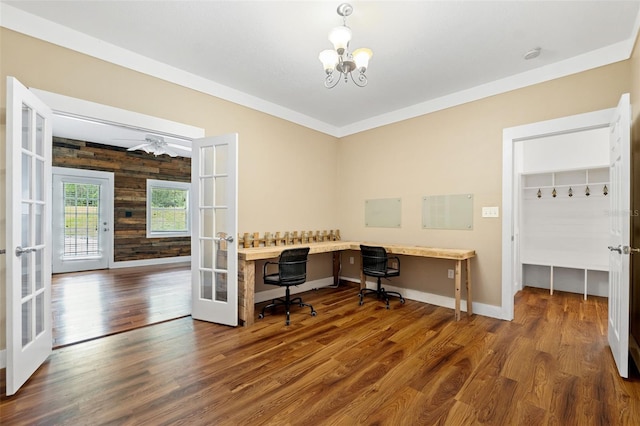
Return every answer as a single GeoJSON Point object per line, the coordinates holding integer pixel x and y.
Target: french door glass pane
{"type": "Point", "coordinates": [40, 225]}
{"type": "Point", "coordinates": [39, 135]}
{"type": "Point", "coordinates": [25, 263]}
{"type": "Point", "coordinates": [39, 313]}
{"type": "Point", "coordinates": [221, 286]}
{"type": "Point", "coordinates": [208, 193]}
{"type": "Point", "coordinates": [221, 190]}
{"type": "Point", "coordinates": [222, 153]}
{"type": "Point", "coordinates": [206, 167]}
{"type": "Point", "coordinates": [206, 254]}
{"type": "Point", "coordinates": [26, 126]}
{"type": "Point", "coordinates": [39, 277]}
{"type": "Point", "coordinates": [26, 322]}
{"type": "Point", "coordinates": [26, 176]}
{"type": "Point", "coordinates": [206, 285]}
{"type": "Point", "coordinates": [39, 180]}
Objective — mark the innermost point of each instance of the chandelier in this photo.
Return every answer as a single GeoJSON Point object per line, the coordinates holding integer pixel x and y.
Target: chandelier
{"type": "Point", "coordinates": [339, 63]}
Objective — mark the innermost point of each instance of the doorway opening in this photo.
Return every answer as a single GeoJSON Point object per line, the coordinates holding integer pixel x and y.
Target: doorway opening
{"type": "Point", "coordinates": [92, 299]}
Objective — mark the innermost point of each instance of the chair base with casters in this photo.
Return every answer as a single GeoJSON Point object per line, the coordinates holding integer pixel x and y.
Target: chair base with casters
{"type": "Point", "coordinates": [287, 302]}
{"type": "Point", "coordinates": [381, 293]}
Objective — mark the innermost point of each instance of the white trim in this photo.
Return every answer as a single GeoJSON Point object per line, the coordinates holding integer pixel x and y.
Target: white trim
{"type": "Point", "coordinates": [150, 262]}
{"type": "Point", "coordinates": [168, 184]}
{"type": "Point", "coordinates": [37, 27]}
{"type": "Point", "coordinates": [74, 107]}
{"type": "Point", "coordinates": [3, 358]}
{"type": "Point", "coordinates": [575, 123]}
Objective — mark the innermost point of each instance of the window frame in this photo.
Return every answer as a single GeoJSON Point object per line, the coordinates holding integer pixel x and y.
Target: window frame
{"type": "Point", "coordinates": [167, 184]}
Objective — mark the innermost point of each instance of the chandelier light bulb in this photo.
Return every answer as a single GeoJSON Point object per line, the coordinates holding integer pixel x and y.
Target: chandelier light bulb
{"type": "Point", "coordinates": [340, 37]}
{"type": "Point", "coordinates": [329, 59]}
{"type": "Point", "coordinates": [361, 58]}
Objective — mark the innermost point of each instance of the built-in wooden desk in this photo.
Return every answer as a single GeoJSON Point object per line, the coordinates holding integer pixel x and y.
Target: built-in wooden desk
{"type": "Point", "coordinates": [248, 256]}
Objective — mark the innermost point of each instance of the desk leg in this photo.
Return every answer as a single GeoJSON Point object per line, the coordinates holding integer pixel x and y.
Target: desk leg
{"type": "Point", "coordinates": [336, 268]}
{"type": "Point", "coordinates": [469, 303]}
{"type": "Point", "coordinates": [246, 291]}
{"type": "Point", "coordinates": [458, 288]}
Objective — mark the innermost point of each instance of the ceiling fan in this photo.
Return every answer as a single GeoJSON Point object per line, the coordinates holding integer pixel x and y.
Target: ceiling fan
{"type": "Point", "coordinates": [156, 145]}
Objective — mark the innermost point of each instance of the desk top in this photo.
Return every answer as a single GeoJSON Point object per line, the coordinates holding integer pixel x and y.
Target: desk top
{"type": "Point", "coordinates": [257, 253]}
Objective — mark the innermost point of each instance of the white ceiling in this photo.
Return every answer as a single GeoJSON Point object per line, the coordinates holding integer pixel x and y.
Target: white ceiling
{"type": "Point", "coordinates": [427, 54]}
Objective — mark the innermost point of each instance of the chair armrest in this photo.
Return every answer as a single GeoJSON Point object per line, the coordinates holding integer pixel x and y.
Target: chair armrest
{"type": "Point", "coordinates": [264, 268]}
{"type": "Point", "coordinates": [396, 258]}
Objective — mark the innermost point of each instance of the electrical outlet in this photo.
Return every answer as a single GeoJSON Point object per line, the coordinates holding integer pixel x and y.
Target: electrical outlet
{"type": "Point", "coordinates": [450, 273]}
{"type": "Point", "coordinates": [490, 212]}
{"type": "Point", "coordinates": [394, 265]}
{"type": "Point", "coordinates": [351, 260]}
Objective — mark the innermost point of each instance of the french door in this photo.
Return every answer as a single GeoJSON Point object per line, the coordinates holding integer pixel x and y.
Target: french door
{"type": "Point", "coordinates": [214, 253]}
{"type": "Point", "coordinates": [82, 235]}
{"type": "Point", "coordinates": [28, 275]}
{"type": "Point", "coordinates": [619, 234]}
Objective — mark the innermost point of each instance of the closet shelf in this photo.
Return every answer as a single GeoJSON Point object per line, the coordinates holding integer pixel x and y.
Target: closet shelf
{"type": "Point", "coordinates": [574, 185]}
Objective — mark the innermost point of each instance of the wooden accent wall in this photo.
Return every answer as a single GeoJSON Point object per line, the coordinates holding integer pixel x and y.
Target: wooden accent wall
{"type": "Point", "coordinates": [131, 171]}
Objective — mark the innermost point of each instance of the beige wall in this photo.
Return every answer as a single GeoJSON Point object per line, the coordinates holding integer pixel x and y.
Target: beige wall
{"type": "Point", "coordinates": [458, 150]}
{"type": "Point", "coordinates": [278, 161]}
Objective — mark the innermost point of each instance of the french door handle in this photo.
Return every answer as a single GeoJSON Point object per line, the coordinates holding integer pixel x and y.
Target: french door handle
{"type": "Point", "coordinates": [20, 251]}
{"type": "Point", "coordinates": [618, 249]}
{"type": "Point", "coordinates": [228, 239]}
{"type": "Point", "coordinates": [634, 250]}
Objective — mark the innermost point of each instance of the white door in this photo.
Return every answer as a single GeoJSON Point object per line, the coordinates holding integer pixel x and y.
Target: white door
{"type": "Point", "coordinates": [214, 253]}
{"type": "Point", "coordinates": [620, 217]}
{"type": "Point", "coordinates": [28, 144]}
{"type": "Point", "coordinates": [82, 236]}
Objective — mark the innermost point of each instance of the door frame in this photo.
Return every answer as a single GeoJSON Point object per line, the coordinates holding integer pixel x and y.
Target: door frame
{"type": "Point", "coordinates": [108, 217]}
{"type": "Point", "coordinates": [511, 184]}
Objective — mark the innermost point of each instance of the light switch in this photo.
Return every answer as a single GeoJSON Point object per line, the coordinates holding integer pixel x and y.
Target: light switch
{"type": "Point", "coordinates": [490, 212]}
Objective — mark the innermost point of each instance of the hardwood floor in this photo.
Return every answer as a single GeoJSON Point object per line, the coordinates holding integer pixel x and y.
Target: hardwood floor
{"type": "Point", "coordinates": [410, 365]}
{"type": "Point", "coordinates": [91, 304]}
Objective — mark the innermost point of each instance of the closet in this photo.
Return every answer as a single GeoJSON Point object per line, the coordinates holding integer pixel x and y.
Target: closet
{"type": "Point", "coordinates": [564, 212]}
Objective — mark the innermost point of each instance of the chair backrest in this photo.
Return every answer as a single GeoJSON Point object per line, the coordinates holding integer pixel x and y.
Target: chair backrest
{"type": "Point", "coordinates": [292, 266]}
{"type": "Point", "coordinates": [374, 259]}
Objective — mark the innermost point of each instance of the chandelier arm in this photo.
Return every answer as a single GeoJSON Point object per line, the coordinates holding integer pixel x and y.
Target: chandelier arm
{"type": "Point", "coordinates": [331, 81]}
{"type": "Point", "coordinates": [361, 80]}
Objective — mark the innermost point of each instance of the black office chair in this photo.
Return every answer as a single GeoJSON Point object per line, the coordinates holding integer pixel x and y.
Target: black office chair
{"type": "Point", "coordinates": [292, 270]}
{"type": "Point", "coordinates": [375, 263]}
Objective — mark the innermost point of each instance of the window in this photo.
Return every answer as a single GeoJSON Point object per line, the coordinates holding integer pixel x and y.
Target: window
{"type": "Point", "coordinates": [167, 209]}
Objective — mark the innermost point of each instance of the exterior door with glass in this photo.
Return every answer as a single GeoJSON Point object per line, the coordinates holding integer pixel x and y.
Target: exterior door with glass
{"type": "Point", "coordinates": [28, 275]}
{"type": "Point", "coordinates": [82, 218]}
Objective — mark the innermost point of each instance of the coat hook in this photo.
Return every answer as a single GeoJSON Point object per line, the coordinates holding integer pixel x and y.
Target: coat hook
{"type": "Point", "coordinates": [605, 190]}
{"type": "Point", "coordinates": [587, 191]}
{"type": "Point", "coordinates": [539, 193]}
{"type": "Point", "coordinates": [570, 192]}
{"type": "Point", "coordinates": [554, 193]}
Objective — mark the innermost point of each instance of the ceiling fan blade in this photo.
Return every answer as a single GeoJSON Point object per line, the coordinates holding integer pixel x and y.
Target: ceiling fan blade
{"type": "Point", "coordinates": [173, 145]}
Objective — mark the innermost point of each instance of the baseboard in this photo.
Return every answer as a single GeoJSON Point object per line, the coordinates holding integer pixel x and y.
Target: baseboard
{"type": "Point", "coordinates": [438, 300]}
{"type": "Point", "coordinates": [3, 358]}
{"type": "Point", "coordinates": [151, 262]}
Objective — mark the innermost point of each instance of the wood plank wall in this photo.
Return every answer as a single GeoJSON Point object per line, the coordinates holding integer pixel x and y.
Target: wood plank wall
{"type": "Point", "coordinates": [131, 171]}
